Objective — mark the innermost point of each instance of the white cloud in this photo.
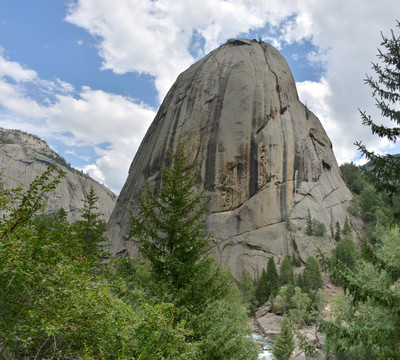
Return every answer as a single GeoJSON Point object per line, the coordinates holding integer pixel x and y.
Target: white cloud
{"type": "Point", "coordinates": [14, 70]}
{"type": "Point", "coordinates": [97, 117]}
{"type": "Point", "coordinates": [95, 172]}
{"type": "Point", "coordinates": [347, 38]}
{"type": "Point", "coordinates": [153, 37]}
{"type": "Point", "coordinates": [90, 117]}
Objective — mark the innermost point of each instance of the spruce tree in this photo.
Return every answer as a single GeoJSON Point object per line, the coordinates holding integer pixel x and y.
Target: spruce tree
{"type": "Point", "coordinates": [345, 252]}
{"type": "Point", "coordinates": [309, 224]}
{"type": "Point", "coordinates": [262, 291]}
{"type": "Point", "coordinates": [248, 290]}
{"type": "Point", "coordinates": [272, 277]}
{"type": "Point", "coordinates": [346, 227]}
{"type": "Point", "coordinates": [384, 171]}
{"type": "Point", "coordinates": [286, 275]}
{"type": "Point", "coordinates": [90, 230]}
{"type": "Point", "coordinates": [284, 343]}
{"type": "Point", "coordinates": [169, 225]}
{"type": "Point", "coordinates": [337, 232]}
{"type": "Point", "coordinates": [313, 274]}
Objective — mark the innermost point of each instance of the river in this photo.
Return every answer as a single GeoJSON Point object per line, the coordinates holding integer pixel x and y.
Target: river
{"type": "Point", "coordinates": [265, 352]}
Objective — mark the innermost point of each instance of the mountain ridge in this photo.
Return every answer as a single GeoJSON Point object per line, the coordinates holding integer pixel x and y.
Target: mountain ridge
{"type": "Point", "coordinates": [24, 156]}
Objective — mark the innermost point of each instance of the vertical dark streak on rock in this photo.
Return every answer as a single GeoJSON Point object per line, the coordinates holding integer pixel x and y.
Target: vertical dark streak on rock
{"type": "Point", "coordinates": [193, 88]}
{"type": "Point", "coordinates": [239, 168]}
{"type": "Point", "coordinates": [283, 186]}
{"type": "Point", "coordinates": [253, 168]}
{"type": "Point", "coordinates": [253, 178]}
{"type": "Point", "coordinates": [216, 111]}
{"type": "Point", "coordinates": [238, 223]}
{"type": "Point", "coordinates": [296, 149]}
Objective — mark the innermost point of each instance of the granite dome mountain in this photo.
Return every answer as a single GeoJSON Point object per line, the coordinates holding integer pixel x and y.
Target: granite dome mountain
{"type": "Point", "coordinates": [24, 156]}
{"type": "Point", "coordinates": [263, 158]}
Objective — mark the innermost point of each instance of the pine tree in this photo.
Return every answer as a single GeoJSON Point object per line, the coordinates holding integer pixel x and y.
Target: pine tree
{"type": "Point", "coordinates": [284, 343]}
{"type": "Point", "coordinates": [272, 277]}
{"type": "Point", "coordinates": [345, 252]}
{"type": "Point", "coordinates": [309, 224]}
{"type": "Point", "coordinates": [346, 227]}
{"type": "Point", "coordinates": [384, 171]}
{"type": "Point", "coordinates": [90, 230]}
{"type": "Point", "coordinates": [248, 290]}
{"type": "Point", "coordinates": [286, 275]}
{"type": "Point", "coordinates": [168, 227]}
{"type": "Point", "coordinates": [262, 291]}
{"type": "Point", "coordinates": [338, 231]}
{"type": "Point", "coordinates": [313, 274]}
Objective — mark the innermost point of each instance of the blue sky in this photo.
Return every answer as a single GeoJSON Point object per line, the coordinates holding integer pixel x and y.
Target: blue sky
{"type": "Point", "coordinates": [88, 75]}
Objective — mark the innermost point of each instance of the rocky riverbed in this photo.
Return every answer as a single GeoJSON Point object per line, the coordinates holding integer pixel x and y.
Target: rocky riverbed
{"type": "Point", "coordinates": [267, 325]}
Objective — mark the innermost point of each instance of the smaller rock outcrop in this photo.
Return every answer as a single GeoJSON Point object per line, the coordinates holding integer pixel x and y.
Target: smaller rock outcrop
{"type": "Point", "coordinates": [24, 156]}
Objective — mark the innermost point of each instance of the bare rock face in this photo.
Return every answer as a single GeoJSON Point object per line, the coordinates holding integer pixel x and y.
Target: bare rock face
{"type": "Point", "coordinates": [23, 157]}
{"type": "Point", "coordinates": [264, 159]}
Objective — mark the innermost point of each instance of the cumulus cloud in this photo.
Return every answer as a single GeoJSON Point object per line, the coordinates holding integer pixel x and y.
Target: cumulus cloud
{"type": "Point", "coordinates": [347, 38]}
{"type": "Point", "coordinates": [153, 37]}
{"type": "Point", "coordinates": [89, 117]}
{"type": "Point", "coordinates": [14, 70]}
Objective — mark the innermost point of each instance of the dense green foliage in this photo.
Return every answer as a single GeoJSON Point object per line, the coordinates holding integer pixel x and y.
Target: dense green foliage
{"type": "Point", "coordinates": [168, 228]}
{"type": "Point", "coordinates": [337, 231]}
{"type": "Point", "coordinates": [319, 229]}
{"type": "Point", "coordinates": [267, 283]}
{"type": "Point", "coordinates": [346, 227]}
{"type": "Point", "coordinates": [366, 320]}
{"type": "Point", "coordinates": [374, 207]}
{"type": "Point", "coordinates": [53, 305]}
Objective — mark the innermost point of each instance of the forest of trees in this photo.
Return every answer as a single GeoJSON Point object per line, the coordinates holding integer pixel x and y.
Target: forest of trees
{"type": "Point", "coordinates": [62, 296]}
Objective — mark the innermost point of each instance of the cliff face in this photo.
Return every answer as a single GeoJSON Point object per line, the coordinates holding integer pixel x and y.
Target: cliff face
{"type": "Point", "coordinates": [263, 157]}
{"type": "Point", "coordinates": [23, 157]}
